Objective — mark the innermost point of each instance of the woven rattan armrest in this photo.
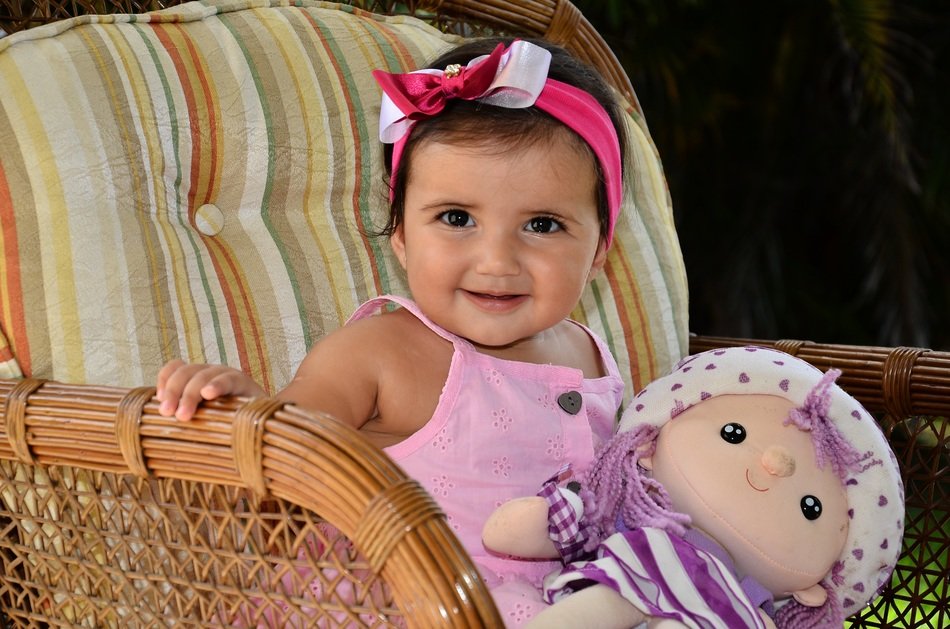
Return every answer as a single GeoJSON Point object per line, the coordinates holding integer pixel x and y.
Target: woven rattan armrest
{"type": "Point", "coordinates": [273, 450]}
{"type": "Point", "coordinates": [899, 381]}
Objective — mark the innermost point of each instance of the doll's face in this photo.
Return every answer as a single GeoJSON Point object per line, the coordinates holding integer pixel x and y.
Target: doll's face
{"type": "Point", "coordinates": [753, 485]}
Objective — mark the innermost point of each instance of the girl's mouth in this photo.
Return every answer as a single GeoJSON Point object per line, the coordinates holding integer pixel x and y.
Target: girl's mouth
{"type": "Point", "coordinates": [495, 302]}
{"type": "Point", "coordinates": [490, 296]}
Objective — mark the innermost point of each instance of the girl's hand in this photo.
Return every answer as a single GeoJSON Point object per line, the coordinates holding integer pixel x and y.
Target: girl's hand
{"type": "Point", "coordinates": [182, 386]}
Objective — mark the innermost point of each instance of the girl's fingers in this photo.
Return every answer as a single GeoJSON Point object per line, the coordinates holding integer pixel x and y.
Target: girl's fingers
{"type": "Point", "coordinates": [183, 387]}
{"type": "Point", "coordinates": [186, 386]}
{"type": "Point", "coordinates": [180, 380]}
{"type": "Point", "coordinates": [222, 383]}
{"type": "Point", "coordinates": [164, 374]}
{"type": "Point", "coordinates": [194, 392]}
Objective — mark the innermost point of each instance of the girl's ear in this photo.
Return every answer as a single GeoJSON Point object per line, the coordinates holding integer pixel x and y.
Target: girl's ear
{"type": "Point", "coordinates": [600, 258]}
{"type": "Point", "coordinates": [814, 596]}
{"type": "Point", "coordinates": [398, 243]}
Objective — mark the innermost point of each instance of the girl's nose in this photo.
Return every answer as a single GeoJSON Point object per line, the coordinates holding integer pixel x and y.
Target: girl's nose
{"type": "Point", "coordinates": [778, 461]}
{"type": "Point", "coordinates": [497, 256]}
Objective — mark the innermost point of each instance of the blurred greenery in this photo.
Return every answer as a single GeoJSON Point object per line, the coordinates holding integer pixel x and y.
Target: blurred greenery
{"type": "Point", "coordinates": [807, 150]}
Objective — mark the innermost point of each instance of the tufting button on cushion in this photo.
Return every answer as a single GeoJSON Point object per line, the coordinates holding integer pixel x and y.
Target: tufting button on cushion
{"type": "Point", "coordinates": [209, 219]}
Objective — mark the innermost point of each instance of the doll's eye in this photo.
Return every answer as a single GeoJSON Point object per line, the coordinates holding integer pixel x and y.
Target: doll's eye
{"type": "Point", "coordinates": [811, 507]}
{"type": "Point", "coordinates": [733, 432]}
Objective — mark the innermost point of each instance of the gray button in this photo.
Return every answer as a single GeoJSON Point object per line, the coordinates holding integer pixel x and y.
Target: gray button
{"type": "Point", "coordinates": [570, 402]}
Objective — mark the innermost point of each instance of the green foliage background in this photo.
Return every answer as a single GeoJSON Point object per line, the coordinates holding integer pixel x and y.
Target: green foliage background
{"type": "Point", "coordinates": [807, 150]}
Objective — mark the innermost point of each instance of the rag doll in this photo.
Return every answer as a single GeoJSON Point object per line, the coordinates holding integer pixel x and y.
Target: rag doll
{"type": "Point", "coordinates": [745, 489]}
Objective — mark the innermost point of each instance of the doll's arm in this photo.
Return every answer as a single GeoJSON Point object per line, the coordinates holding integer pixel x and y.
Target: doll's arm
{"type": "Point", "coordinates": [595, 607]}
{"type": "Point", "coordinates": [519, 527]}
{"type": "Point", "coordinates": [546, 526]}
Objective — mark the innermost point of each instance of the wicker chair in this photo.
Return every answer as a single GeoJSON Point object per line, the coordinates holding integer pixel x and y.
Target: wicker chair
{"type": "Point", "coordinates": [114, 515]}
{"type": "Point", "coordinates": [94, 536]}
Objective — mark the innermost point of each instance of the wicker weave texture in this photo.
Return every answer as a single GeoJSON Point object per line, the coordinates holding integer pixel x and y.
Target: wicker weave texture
{"type": "Point", "coordinates": [102, 549]}
{"type": "Point", "coordinates": [189, 542]}
{"type": "Point", "coordinates": [17, 15]}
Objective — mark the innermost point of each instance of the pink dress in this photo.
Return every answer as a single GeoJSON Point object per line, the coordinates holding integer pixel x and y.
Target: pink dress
{"type": "Point", "coordinates": [500, 430]}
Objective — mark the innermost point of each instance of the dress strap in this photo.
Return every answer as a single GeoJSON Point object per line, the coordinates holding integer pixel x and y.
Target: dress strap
{"type": "Point", "coordinates": [375, 305]}
{"type": "Point", "coordinates": [606, 356]}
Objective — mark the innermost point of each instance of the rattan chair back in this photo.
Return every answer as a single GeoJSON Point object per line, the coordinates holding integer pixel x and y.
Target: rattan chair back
{"type": "Point", "coordinates": [112, 514]}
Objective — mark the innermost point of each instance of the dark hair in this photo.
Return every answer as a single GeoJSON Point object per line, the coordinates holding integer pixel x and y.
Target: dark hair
{"type": "Point", "coordinates": [465, 121]}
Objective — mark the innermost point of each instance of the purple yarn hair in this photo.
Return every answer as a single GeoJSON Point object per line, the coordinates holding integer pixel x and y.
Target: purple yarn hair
{"type": "Point", "coordinates": [794, 615]}
{"type": "Point", "coordinates": [617, 490]}
{"type": "Point", "coordinates": [830, 444]}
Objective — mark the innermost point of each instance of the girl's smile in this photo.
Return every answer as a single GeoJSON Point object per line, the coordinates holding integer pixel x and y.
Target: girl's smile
{"type": "Point", "coordinates": [495, 303]}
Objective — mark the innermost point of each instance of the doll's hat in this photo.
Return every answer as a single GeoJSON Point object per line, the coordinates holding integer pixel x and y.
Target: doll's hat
{"type": "Point", "coordinates": [874, 489]}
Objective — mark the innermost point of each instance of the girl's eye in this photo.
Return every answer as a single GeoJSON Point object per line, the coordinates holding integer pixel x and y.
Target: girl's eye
{"type": "Point", "coordinates": [733, 433]}
{"type": "Point", "coordinates": [456, 218]}
{"type": "Point", "coordinates": [811, 507]}
{"type": "Point", "coordinates": [544, 225]}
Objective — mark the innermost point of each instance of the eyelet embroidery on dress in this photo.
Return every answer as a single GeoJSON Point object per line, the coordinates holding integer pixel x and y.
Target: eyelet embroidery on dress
{"type": "Point", "coordinates": [501, 419]}
{"type": "Point", "coordinates": [441, 485]}
{"type": "Point", "coordinates": [555, 447]}
{"type": "Point", "coordinates": [502, 466]}
{"type": "Point", "coordinates": [520, 613]}
{"type": "Point", "coordinates": [493, 376]}
{"type": "Point", "coordinates": [547, 402]}
{"type": "Point", "coordinates": [442, 441]}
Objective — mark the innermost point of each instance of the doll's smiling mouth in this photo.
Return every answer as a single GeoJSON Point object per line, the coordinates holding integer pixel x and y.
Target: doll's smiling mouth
{"type": "Point", "coordinates": [749, 480]}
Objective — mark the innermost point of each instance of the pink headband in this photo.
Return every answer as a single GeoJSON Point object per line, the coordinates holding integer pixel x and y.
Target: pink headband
{"type": "Point", "coordinates": [516, 77]}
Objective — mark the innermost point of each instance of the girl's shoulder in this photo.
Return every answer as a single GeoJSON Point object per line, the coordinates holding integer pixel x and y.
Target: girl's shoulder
{"type": "Point", "coordinates": [398, 319]}
{"type": "Point", "coordinates": [389, 330]}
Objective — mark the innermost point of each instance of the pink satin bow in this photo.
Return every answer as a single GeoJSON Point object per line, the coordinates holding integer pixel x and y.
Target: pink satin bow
{"type": "Point", "coordinates": [420, 95]}
{"type": "Point", "coordinates": [510, 77]}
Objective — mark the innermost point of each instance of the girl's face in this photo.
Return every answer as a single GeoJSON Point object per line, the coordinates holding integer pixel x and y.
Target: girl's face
{"type": "Point", "coordinates": [498, 246]}
{"type": "Point", "coordinates": [753, 485]}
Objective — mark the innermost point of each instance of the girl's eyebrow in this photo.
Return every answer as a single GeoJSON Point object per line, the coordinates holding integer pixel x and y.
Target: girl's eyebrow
{"type": "Point", "coordinates": [559, 213]}
{"type": "Point", "coordinates": [442, 204]}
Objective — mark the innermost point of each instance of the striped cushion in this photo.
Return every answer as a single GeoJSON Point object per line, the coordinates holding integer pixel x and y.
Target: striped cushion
{"type": "Point", "coordinates": [196, 182]}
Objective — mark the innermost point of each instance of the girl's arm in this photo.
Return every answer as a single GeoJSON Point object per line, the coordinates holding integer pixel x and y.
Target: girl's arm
{"type": "Point", "coordinates": [383, 374]}
{"type": "Point", "coordinates": [337, 377]}
{"type": "Point", "coordinates": [340, 376]}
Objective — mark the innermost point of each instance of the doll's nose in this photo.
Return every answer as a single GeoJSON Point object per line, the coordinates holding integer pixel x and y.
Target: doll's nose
{"type": "Point", "coordinates": [778, 461]}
